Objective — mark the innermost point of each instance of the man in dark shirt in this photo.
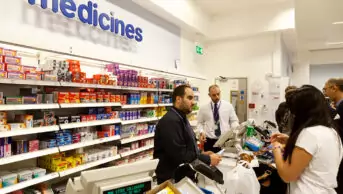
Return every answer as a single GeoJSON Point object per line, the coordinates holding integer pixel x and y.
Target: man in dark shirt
{"type": "Point", "coordinates": [175, 142]}
{"type": "Point", "coordinates": [334, 90]}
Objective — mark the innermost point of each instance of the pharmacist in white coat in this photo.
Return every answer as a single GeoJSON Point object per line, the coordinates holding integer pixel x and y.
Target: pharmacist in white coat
{"type": "Point", "coordinates": [215, 118]}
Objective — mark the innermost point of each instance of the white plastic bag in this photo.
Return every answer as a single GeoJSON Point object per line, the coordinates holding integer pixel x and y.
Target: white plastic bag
{"type": "Point", "coordinates": [241, 180]}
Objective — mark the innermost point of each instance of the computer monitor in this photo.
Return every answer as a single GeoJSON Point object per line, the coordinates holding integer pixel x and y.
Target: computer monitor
{"type": "Point", "coordinates": [231, 134]}
{"type": "Point", "coordinates": [131, 178]}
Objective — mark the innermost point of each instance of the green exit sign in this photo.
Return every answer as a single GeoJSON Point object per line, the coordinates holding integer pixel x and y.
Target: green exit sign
{"type": "Point", "coordinates": [199, 50]}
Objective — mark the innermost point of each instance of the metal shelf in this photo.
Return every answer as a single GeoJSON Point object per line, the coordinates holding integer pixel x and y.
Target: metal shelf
{"type": "Point", "coordinates": [29, 155]}
{"type": "Point", "coordinates": [137, 138]}
{"type": "Point", "coordinates": [88, 165]}
{"type": "Point", "coordinates": [131, 106]}
{"type": "Point", "coordinates": [142, 120]}
{"type": "Point", "coordinates": [125, 154]}
{"type": "Point", "coordinates": [28, 131]}
{"type": "Point", "coordinates": [82, 105]}
{"type": "Point", "coordinates": [29, 183]}
{"type": "Point", "coordinates": [88, 143]}
{"type": "Point", "coordinates": [7, 107]}
{"type": "Point", "coordinates": [89, 123]}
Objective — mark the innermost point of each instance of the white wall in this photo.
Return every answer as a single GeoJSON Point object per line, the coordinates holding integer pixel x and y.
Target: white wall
{"type": "Point", "coordinates": [301, 74]}
{"type": "Point", "coordinates": [252, 57]}
{"type": "Point", "coordinates": [33, 26]}
{"type": "Point", "coordinates": [319, 74]}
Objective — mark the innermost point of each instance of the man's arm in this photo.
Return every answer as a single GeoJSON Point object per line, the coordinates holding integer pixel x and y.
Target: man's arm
{"type": "Point", "coordinates": [175, 147]}
{"type": "Point", "coordinates": [201, 120]}
{"type": "Point", "coordinates": [233, 119]}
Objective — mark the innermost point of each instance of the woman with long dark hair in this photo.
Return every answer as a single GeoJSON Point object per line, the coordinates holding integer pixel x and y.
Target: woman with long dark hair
{"type": "Point", "coordinates": [313, 151]}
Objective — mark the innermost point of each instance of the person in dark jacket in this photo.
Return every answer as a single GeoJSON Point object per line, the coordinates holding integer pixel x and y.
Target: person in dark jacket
{"type": "Point", "coordinates": [175, 142]}
{"type": "Point", "coordinates": [334, 90]}
{"type": "Point", "coordinates": [282, 114]}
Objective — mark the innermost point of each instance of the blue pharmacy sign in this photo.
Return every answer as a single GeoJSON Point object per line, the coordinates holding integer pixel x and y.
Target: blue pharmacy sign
{"type": "Point", "coordinates": [88, 14]}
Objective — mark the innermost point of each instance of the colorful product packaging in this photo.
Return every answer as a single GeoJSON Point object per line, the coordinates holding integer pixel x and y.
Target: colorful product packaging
{"type": "Point", "coordinates": [15, 75]}
{"type": "Point", "coordinates": [33, 145]}
{"type": "Point", "coordinates": [63, 97]}
{"type": "Point", "coordinates": [29, 100]}
{"type": "Point", "coordinates": [84, 97]}
{"type": "Point", "coordinates": [11, 60]}
{"type": "Point", "coordinates": [33, 76]}
{"type": "Point", "coordinates": [74, 97]}
{"type": "Point", "coordinates": [3, 74]}
{"type": "Point", "coordinates": [99, 97]}
{"type": "Point", "coordinates": [14, 100]}
{"type": "Point", "coordinates": [106, 98]}
{"type": "Point", "coordinates": [48, 77]}
{"type": "Point", "coordinates": [92, 97]}
{"type": "Point", "coordinates": [8, 52]}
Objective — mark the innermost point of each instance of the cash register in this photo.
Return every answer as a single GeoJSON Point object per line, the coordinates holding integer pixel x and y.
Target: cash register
{"type": "Point", "coordinates": [131, 178]}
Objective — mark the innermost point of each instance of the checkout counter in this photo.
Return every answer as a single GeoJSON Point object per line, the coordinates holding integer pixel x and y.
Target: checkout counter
{"type": "Point", "coordinates": [233, 175]}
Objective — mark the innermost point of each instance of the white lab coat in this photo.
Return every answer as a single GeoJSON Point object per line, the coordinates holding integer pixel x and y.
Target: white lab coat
{"type": "Point", "coordinates": [227, 117]}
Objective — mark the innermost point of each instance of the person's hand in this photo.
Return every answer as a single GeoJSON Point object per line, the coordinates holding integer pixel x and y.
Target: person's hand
{"type": "Point", "coordinates": [279, 137]}
{"type": "Point", "coordinates": [202, 137]}
{"type": "Point", "coordinates": [208, 153]}
{"type": "Point", "coordinates": [332, 104]}
{"type": "Point", "coordinates": [215, 159]}
{"type": "Point", "coordinates": [277, 144]}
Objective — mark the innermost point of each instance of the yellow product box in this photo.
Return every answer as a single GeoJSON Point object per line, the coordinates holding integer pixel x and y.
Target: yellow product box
{"type": "Point", "coordinates": [80, 158]}
{"type": "Point", "coordinates": [58, 167]}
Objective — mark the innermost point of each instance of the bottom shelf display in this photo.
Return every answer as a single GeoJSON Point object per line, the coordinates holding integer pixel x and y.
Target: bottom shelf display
{"type": "Point", "coordinates": [12, 180]}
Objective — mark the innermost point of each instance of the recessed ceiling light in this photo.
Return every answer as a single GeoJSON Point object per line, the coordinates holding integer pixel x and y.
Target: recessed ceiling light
{"type": "Point", "coordinates": [336, 23]}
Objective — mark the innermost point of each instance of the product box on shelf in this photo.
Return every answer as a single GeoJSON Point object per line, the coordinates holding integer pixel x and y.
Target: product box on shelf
{"type": "Point", "coordinates": [8, 179]}
{"type": "Point", "coordinates": [74, 97]}
{"type": "Point", "coordinates": [3, 74]}
{"type": "Point", "coordinates": [84, 97]}
{"type": "Point", "coordinates": [63, 97]}
{"type": "Point", "coordinates": [49, 77]}
{"type": "Point", "coordinates": [33, 76]}
{"type": "Point", "coordinates": [38, 123]}
{"type": "Point", "coordinates": [15, 75]}
{"type": "Point", "coordinates": [8, 52]}
{"type": "Point", "coordinates": [8, 60]}
{"type": "Point", "coordinates": [63, 119]}
{"type": "Point", "coordinates": [92, 97]}
{"type": "Point", "coordinates": [29, 69]}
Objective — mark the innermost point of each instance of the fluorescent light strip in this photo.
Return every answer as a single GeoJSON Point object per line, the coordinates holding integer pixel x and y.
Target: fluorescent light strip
{"type": "Point", "coordinates": [337, 23]}
{"type": "Point", "coordinates": [334, 43]}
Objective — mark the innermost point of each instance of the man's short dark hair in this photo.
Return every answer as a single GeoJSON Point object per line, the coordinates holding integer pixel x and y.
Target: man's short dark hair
{"type": "Point", "coordinates": [336, 82]}
{"type": "Point", "coordinates": [179, 91]}
{"type": "Point", "coordinates": [212, 86]}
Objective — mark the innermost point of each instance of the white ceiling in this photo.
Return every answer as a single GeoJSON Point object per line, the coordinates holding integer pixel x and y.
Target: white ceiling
{"type": "Point", "coordinates": [224, 7]}
{"type": "Point", "coordinates": [314, 23]}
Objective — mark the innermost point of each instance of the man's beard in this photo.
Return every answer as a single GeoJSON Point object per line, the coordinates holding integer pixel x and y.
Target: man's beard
{"type": "Point", "coordinates": [185, 109]}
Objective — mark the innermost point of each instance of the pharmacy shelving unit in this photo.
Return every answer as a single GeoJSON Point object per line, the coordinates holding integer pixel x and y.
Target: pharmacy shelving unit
{"type": "Point", "coordinates": [90, 123]}
{"type": "Point", "coordinates": [135, 151]}
{"type": "Point", "coordinates": [141, 120]}
{"type": "Point", "coordinates": [88, 165]}
{"type": "Point", "coordinates": [29, 183]}
{"type": "Point", "coordinates": [29, 155]}
{"type": "Point", "coordinates": [88, 143]}
{"type": "Point", "coordinates": [54, 106]}
{"type": "Point", "coordinates": [29, 131]}
{"type": "Point", "coordinates": [136, 138]}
